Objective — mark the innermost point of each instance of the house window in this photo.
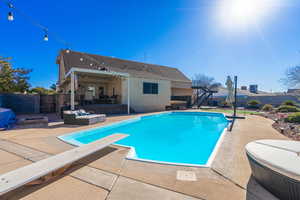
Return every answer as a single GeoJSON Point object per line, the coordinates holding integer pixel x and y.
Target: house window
{"type": "Point", "coordinates": [150, 88]}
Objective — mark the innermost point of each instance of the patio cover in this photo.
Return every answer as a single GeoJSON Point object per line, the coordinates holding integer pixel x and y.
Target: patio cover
{"type": "Point", "coordinates": [75, 70]}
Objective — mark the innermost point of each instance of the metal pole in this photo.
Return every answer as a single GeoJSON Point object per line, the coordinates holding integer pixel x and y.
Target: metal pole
{"type": "Point", "coordinates": [128, 95]}
{"type": "Point", "coordinates": [72, 91]}
{"type": "Point", "coordinates": [235, 96]}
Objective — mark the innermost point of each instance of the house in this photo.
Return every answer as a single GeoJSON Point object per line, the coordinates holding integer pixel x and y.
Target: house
{"type": "Point", "coordinates": [244, 96]}
{"type": "Point", "coordinates": [293, 91]}
{"type": "Point", "coordinates": [106, 81]}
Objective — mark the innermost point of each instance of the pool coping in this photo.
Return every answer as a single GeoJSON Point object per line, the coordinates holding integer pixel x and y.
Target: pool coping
{"type": "Point", "coordinates": [131, 155]}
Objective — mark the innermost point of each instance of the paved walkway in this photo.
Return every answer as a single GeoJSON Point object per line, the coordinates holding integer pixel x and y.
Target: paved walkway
{"type": "Point", "coordinates": [108, 175]}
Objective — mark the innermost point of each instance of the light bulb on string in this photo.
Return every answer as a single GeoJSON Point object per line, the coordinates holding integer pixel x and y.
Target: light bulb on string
{"type": "Point", "coordinates": [10, 16]}
{"type": "Point", "coordinates": [46, 38]}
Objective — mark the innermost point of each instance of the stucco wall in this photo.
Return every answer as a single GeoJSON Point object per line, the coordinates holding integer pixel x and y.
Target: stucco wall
{"type": "Point", "coordinates": [146, 102]}
{"type": "Point", "coordinates": [61, 71]}
{"type": "Point", "coordinates": [108, 83]}
{"type": "Point", "coordinates": [181, 91]}
{"type": "Point", "coordinates": [180, 84]}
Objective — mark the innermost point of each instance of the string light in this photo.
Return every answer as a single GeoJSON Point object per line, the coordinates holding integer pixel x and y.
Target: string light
{"type": "Point", "coordinates": [10, 16]}
{"type": "Point", "coordinates": [55, 36]}
{"type": "Point", "coordinates": [46, 37]}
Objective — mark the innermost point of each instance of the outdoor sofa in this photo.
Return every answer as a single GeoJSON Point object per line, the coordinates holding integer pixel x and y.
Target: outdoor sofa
{"type": "Point", "coordinates": [80, 117]}
{"type": "Point", "coordinates": [275, 164]}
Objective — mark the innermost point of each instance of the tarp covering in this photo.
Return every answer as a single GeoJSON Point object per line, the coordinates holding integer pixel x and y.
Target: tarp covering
{"type": "Point", "coordinates": [7, 117]}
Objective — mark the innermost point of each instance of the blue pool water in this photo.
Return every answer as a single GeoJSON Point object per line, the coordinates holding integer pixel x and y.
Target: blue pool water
{"type": "Point", "coordinates": [175, 137]}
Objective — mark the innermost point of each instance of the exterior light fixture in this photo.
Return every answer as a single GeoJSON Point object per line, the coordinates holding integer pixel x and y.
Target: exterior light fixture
{"type": "Point", "coordinates": [68, 50]}
{"type": "Point", "coordinates": [81, 59]}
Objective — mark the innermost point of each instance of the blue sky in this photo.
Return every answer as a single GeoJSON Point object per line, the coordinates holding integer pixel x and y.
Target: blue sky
{"type": "Point", "coordinates": [187, 34]}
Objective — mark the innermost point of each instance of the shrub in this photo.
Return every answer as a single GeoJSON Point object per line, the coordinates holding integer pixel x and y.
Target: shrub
{"type": "Point", "coordinates": [285, 108]}
{"type": "Point", "coordinates": [289, 103]}
{"type": "Point", "coordinates": [267, 107]}
{"type": "Point", "coordinates": [225, 104]}
{"type": "Point", "coordinates": [253, 104]}
{"type": "Point", "coordinates": [293, 118]}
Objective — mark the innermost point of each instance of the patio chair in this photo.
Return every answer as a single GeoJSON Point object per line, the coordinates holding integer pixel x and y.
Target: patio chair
{"type": "Point", "coordinates": [49, 168]}
{"type": "Point", "coordinates": [275, 165]}
{"type": "Point", "coordinates": [80, 117]}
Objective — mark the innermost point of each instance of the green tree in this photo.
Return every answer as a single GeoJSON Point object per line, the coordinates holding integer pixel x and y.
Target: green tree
{"type": "Point", "coordinates": [41, 90]}
{"type": "Point", "coordinates": [13, 79]}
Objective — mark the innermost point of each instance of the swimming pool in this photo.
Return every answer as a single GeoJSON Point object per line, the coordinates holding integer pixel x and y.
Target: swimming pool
{"type": "Point", "coordinates": [181, 138]}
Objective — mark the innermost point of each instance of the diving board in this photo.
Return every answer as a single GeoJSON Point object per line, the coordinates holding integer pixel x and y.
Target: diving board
{"type": "Point", "coordinates": [54, 164]}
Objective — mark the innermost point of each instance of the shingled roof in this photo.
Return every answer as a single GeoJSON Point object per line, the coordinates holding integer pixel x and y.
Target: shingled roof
{"type": "Point", "coordinates": [135, 69]}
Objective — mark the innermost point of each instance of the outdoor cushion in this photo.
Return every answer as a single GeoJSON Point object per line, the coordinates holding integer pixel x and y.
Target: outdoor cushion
{"type": "Point", "coordinates": [89, 116]}
{"type": "Point", "coordinates": [69, 112]}
{"type": "Point", "coordinates": [279, 155]}
{"type": "Point", "coordinates": [82, 112]}
{"type": "Point", "coordinates": [80, 117]}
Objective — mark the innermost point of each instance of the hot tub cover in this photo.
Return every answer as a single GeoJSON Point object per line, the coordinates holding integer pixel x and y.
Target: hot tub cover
{"type": "Point", "coordinates": [281, 156]}
{"type": "Point", "coordinates": [7, 117]}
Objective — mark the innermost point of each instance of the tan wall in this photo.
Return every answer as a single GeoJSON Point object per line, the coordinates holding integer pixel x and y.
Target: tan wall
{"type": "Point", "coordinates": [108, 86]}
{"type": "Point", "coordinates": [147, 102]}
{"type": "Point", "coordinates": [61, 70]}
{"type": "Point", "coordinates": [179, 84]}
{"type": "Point", "coordinates": [181, 91]}
{"type": "Point", "coordinates": [107, 83]}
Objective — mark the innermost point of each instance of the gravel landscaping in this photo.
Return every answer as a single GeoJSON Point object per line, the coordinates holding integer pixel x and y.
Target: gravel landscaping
{"type": "Point", "coordinates": [291, 130]}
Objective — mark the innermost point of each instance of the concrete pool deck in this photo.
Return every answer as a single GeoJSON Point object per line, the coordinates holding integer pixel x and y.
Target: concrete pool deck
{"type": "Point", "coordinates": [108, 175]}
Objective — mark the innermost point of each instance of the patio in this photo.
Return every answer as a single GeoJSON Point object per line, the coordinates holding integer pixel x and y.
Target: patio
{"type": "Point", "coordinates": [108, 175]}
{"type": "Point", "coordinates": [95, 89]}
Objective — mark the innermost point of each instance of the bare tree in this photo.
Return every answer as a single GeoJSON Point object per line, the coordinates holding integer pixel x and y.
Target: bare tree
{"type": "Point", "coordinates": [292, 77]}
{"type": "Point", "coordinates": [206, 82]}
